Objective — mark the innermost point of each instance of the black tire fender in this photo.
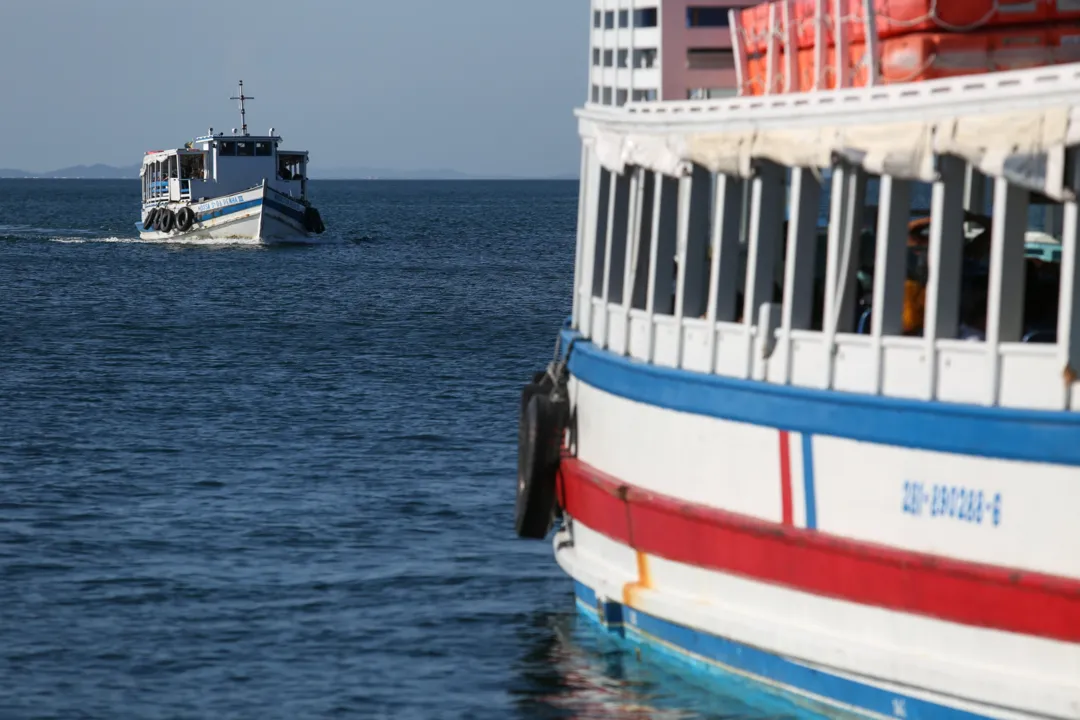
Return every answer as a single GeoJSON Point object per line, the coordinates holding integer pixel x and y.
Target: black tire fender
{"type": "Point", "coordinates": [539, 448]}
{"type": "Point", "coordinates": [185, 218]}
{"type": "Point", "coordinates": [165, 220]}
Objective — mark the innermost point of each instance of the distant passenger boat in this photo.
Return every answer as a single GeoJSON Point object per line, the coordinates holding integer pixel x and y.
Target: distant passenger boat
{"type": "Point", "coordinates": [237, 186]}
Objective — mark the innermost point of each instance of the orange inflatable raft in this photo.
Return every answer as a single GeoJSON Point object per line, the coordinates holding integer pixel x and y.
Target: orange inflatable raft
{"type": "Point", "coordinates": [927, 56]}
{"type": "Point", "coordinates": [901, 17]}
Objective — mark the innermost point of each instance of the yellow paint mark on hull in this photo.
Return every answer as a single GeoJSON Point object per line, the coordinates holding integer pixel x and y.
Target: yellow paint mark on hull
{"type": "Point", "coordinates": [644, 582]}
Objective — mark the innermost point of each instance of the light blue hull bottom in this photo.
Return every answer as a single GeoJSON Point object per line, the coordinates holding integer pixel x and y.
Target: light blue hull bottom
{"type": "Point", "coordinates": [803, 688]}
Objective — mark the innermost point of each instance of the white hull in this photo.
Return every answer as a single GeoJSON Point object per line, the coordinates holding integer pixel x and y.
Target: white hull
{"type": "Point", "coordinates": [741, 540]}
{"type": "Point", "coordinates": [259, 214]}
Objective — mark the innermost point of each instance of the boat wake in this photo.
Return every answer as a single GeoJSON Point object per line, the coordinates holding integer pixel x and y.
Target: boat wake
{"type": "Point", "coordinates": [216, 242]}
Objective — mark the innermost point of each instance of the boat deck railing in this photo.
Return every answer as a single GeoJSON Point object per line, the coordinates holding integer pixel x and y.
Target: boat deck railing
{"type": "Point", "coordinates": [685, 259]}
{"type": "Point", "coordinates": [157, 190]}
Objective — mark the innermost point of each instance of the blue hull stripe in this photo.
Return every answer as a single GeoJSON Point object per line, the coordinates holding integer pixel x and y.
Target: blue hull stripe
{"type": "Point", "coordinates": [1032, 435]}
{"type": "Point", "coordinates": [228, 210]}
{"type": "Point", "coordinates": [721, 655]}
{"type": "Point", "coordinates": [808, 480]}
{"type": "Point", "coordinates": [288, 212]}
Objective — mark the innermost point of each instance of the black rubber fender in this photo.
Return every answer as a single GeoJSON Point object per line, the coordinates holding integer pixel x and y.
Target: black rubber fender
{"type": "Point", "coordinates": [539, 447]}
{"type": "Point", "coordinates": [151, 218]}
{"type": "Point", "coordinates": [185, 218]}
{"type": "Point", "coordinates": [313, 220]}
{"type": "Point", "coordinates": [165, 220]}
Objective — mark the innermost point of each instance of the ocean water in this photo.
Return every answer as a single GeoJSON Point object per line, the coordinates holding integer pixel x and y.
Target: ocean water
{"type": "Point", "coordinates": [239, 482]}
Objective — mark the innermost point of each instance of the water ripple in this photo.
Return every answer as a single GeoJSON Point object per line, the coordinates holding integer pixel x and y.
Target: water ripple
{"type": "Point", "coordinates": [241, 482]}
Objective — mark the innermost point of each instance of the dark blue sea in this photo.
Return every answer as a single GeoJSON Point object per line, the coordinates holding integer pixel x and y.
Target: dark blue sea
{"type": "Point", "coordinates": [239, 482]}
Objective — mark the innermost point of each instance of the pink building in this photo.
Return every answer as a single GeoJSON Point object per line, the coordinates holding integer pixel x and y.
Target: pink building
{"type": "Point", "coordinates": [644, 50]}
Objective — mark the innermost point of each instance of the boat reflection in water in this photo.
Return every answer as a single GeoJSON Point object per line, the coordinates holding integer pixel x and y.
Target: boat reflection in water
{"type": "Point", "coordinates": [573, 669]}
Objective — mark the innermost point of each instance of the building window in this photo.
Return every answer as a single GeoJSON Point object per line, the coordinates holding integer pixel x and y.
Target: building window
{"type": "Point", "coordinates": [645, 58]}
{"type": "Point", "coordinates": [645, 17]}
{"type": "Point", "coordinates": [608, 58]}
{"type": "Point", "coordinates": [710, 59]}
{"type": "Point", "coordinates": [609, 19]}
{"type": "Point", "coordinates": [606, 96]}
{"type": "Point", "coordinates": [644, 96]}
{"type": "Point", "coordinates": [706, 17]}
{"type": "Point", "coordinates": [596, 19]}
{"type": "Point", "coordinates": [624, 18]}
{"type": "Point", "coordinates": [624, 58]}
{"type": "Point", "coordinates": [710, 93]}
{"type": "Point", "coordinates": [596, 57]}
{"type": "Point", "coordinates": [596, 93]}
{"type": "Point", "coordinates": [620, 97]}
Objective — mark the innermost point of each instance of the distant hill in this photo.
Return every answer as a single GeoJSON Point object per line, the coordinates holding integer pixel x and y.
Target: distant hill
{"type": "Point", "coordinates": [366, 173]}
{"type": "Point", "coordinates": [78, 172]}
{"type": "Point", "coordinates": [109, 172]}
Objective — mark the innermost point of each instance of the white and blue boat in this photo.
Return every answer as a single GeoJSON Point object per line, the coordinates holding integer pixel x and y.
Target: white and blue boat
{"type": "Point", "coordinates": [808, 438]}
{"type": "Point", "coordinates": [228, 187]}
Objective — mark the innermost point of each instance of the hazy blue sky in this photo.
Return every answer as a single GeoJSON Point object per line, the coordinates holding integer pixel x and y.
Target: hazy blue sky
{"type": "Point", "coordinates": [481, 86]}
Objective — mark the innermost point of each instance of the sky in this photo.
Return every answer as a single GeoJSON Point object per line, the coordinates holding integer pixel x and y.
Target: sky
{"type": "Point", "coordinates": [486, 87]}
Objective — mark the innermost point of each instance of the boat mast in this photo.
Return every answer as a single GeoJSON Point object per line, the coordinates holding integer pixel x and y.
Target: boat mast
{"type": "Point", "coordinates": [243, 113]}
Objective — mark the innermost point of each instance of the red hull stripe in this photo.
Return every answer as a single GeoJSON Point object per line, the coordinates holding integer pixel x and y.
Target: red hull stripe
{"type": "Point", "coordinates": [813, 562]}
{"type": "Point", "coordinates": [785, 479]}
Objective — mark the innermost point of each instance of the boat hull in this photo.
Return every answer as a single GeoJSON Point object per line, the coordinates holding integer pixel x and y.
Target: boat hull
{"type": "Point", "coordinates": [259, 214]}
{"type": "Point", "coordinates": [763, 533]}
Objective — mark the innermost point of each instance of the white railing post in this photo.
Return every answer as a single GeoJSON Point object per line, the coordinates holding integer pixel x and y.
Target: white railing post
{"type": "Point", "coordinates": [1068, 331]}
{"type": "Point", "coordinates": [772, 53]}
{"type": "Point", "coordinates": [587, 283]}
{"type": "Point", "coordinates": [766, 219]}
{"type": "Point", "coordinates": [799, 261]}
{"type": "Point", "coordinates": [890, 265]}
{"type": "Point", "coordinates": [791, 48]}
{"type": "Point", "coordinates": [945, 256]}
{"type": "Point", "coordinates": [650, 298]}
{"type": "Point", "coordinates": [837, 217]}
{"type": "Point", "coordinates": [839, 315]}
{"type": "Point", "coordinates": [604, 294]}
{"type": "Point", "coordinates": [696, 288]}
{"type": "Point", "coordinates": [630, 262]}
{"type": "Point", "coordinates": [683, 233]}
{"type": "Point", "coordinates": [583, 190]}
{"type": "Point", "coordinates": [974, 190]}
{"type": "Point", "coordinates": [870, 44]}
{"type": "Point", "coordinates": [840, 42]}
{"type": "Point", "coordinates": [1005, 288]}
{"type": "Point", "coordinates": [738, 49]}
{"type": "Point", "coordinates": [821, 45]}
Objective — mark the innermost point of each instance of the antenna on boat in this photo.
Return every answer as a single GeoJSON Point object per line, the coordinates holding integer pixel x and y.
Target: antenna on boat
{"type": "Point", "coordinates": [243, 113]}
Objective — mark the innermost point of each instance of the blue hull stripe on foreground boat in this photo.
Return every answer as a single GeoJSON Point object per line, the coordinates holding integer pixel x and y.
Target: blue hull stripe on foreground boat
{"type": "Point", "coordinates": [809, 493]}
{"type": "Point", "coordinates": [771, 670]}
{"type": "Point", "coordinates": [1032, 435]}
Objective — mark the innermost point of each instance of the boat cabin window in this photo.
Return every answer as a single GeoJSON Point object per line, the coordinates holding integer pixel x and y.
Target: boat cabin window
{"type": "Point", "coordinates": [226, 147]}
{"type": "Point", "coordinates": [264, 148]}
{"type": "Point", "coordinates": [192, 167]}
{"type": "Point", "coordinates": [290, 167]}
{"type": "Point", "coordinates": [245, 148]}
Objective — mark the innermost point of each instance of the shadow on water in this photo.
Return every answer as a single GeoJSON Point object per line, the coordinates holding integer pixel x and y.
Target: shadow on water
{"type": "Point", "coordinates": [569, 668]}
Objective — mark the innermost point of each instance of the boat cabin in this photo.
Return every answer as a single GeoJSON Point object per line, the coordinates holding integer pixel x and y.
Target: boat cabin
{"type": "Point", "coordinates": [215, 165]}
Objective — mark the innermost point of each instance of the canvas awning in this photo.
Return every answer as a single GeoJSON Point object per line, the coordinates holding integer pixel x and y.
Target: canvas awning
{"type": "Point", "coordinates": [1026, 147]}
